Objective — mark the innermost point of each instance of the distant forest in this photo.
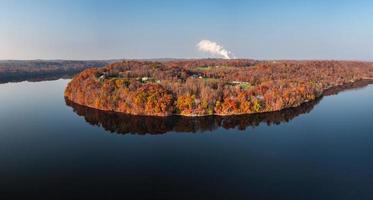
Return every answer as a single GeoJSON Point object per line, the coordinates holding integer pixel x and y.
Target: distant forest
{"type": "Point", "coordinates": [37, 70]}
{"type": "Point", "coordinates": [41, 70]}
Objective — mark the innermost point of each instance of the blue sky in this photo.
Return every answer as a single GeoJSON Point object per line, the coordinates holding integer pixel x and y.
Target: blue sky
{"type": "Point", "coordinates": [272, 29]}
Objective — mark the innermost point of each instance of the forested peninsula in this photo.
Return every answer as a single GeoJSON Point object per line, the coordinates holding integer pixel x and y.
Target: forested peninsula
{"type": "Point", "coordinates": [211, 86]}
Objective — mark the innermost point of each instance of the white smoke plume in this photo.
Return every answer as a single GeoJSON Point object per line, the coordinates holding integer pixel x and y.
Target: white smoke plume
{"type": "Point", "coordinates": [214, 49]}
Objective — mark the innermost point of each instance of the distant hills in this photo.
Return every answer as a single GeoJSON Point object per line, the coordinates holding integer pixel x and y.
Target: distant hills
{"type": "Point", "coordinates": [39, 70]}
{"type": "Point", "coordinates": [36, 70]}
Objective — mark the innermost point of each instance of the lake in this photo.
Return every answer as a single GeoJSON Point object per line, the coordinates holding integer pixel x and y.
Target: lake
{"type": "Point", "coordinates": [52, 149]}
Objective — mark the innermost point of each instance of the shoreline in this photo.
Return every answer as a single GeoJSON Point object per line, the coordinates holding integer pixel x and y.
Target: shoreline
{"type": "Point", "coordinates": [334, 90]}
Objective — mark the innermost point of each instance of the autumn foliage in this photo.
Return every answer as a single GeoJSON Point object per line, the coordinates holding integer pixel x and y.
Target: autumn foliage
{"type": "Point", "coordinates": [210, 86]}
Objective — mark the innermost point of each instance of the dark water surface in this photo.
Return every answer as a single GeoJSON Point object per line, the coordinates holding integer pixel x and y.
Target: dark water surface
{"type": "Point", "coordinates": [51, 150]}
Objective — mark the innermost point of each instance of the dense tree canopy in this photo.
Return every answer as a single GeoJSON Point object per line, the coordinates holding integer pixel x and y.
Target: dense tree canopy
{"type": "Point", "coordinates": [210, 86]}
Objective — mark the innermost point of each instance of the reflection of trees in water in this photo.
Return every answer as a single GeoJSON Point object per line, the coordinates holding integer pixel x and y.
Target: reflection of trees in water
{"type": "Point", "coordinates": [130, 124]}
{"type": "Point", "coordinates": [349, 86]}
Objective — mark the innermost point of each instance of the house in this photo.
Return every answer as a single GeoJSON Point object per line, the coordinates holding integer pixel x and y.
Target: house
{"type": "Point", "coordinates": [103, 76]}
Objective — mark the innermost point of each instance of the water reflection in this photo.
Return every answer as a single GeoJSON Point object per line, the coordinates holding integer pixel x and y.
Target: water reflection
{"type": "Point", "coordinates": [141, 125]}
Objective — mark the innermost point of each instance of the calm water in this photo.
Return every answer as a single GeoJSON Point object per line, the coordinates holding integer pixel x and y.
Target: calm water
{"type": "Point", "coordinates": [51, 150]}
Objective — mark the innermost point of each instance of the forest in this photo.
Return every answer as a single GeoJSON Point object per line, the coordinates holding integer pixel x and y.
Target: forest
{"type": "Point", "coordinates": [210, 86]}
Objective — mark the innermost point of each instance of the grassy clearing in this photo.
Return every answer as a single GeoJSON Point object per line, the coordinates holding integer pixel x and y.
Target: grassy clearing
{"type": "Point", "coordinates": [245, 86]}
{"type": "Point", "coordinates": [204, 68]}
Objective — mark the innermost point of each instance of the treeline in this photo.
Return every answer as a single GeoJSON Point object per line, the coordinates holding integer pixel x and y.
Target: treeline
{"type": "Point", "coordinates": [210, 86]}
{"type": "Point", "coordinates": [36, 70]}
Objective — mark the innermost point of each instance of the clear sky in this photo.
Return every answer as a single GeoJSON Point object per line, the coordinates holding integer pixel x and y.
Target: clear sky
{"type": "Point", "coordinates": [260, 29]}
